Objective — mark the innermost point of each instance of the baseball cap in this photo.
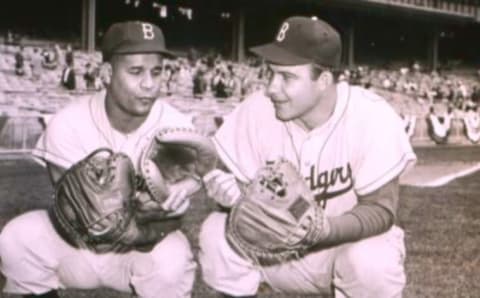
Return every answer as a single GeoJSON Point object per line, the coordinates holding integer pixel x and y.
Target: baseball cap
{"type": "Point", "coordinates": [133, 37]}
{"type": "Point", "coordinates": [303, 40]}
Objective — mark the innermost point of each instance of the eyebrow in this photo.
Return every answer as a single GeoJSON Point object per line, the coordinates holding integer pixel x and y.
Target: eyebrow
{"type": "Point", "coordinates": [140, 67]}
{"type": "Point", "coordinates": [286, 72]}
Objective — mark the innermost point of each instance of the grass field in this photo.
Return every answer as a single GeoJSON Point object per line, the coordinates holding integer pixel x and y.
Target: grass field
{"type": "Point", "coordinates": [442, 226]}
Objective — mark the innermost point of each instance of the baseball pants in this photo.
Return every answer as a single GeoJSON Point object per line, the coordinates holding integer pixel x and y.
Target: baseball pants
{"type": "Point", "coordinates": [372, 267]}
{"type": "Point", "coordinates": [35, 260]}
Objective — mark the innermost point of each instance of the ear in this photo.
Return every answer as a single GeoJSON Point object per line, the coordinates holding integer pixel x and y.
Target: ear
{"type": "Point", "coordinates": [325, 79]}
{"type": "Point", "coordinates": [106, 73]}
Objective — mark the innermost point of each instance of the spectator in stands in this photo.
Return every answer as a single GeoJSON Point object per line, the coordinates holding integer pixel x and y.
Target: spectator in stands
{"type": "Point", "coordinates": [8, 37]}
{"type": "Point", "coordinates": [12, 38]}
{"type": "Point", "coordinates": [91, 76]}
{"type": "Point", "coordinates": [199, 81]}
{"type": "Point", "coordinates": [68, 77]}
{"type": "Point", "coordinates": [36, 64]}
{"type": "Point", "coordinates": [233, 82]}
{"type": "Point", "coordinates": [58, 53]}
{"type": "Point", "coordinates": [192, 56]}
{"type": "Point", "coordinates": [50, 58]}
{"type": "Point", "coordinates": [69, 59]}
{"type": "Point", "coordinates": [416, 66]}
{"type": "Point", "coordinates": [219, 83]}
{"type": "Point", "coordinates": [476, 94]}
{"type": "Point", "coordinates": [20, 62]}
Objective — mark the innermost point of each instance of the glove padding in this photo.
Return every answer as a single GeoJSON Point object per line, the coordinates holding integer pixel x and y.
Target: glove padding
{"type": "Point", "coordinates": [277, 219]}
{"type": "Point", "coordinates": [175, 157]}
{"type": "Point", "coordinates": [93, 205]}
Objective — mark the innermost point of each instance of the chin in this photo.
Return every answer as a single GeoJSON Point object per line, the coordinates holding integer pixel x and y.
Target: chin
{"type": "Point", "coordinates": [144, 109]}
{"type": "Point", "coordinates": [141, 112]}
{"type": "Point", "coordinates": [282, 117]}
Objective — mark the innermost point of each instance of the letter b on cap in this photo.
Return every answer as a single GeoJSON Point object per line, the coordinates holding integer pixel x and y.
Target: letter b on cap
{"type": "Point", "coordinates": [282, 32]}
{"type": "Point", "coordinates": [148, 31]}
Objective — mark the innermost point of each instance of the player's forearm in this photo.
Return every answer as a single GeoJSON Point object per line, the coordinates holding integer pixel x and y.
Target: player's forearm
{"type": "Point", "coordinates": [361, 222]}
{"type": "Point", "coordinates": [374, 214]}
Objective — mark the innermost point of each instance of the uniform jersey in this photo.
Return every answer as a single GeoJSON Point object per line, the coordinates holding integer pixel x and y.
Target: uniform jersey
{"type": "Point", "coordinates": [35, 259]}
{"type": "Point", "coordinates": [83, 127]}
{"type": "Point", "coordinates": [361, 147]}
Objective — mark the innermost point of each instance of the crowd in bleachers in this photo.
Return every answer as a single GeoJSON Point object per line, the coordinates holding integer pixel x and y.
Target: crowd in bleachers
{"type": "Point", "coordinates": [59, 68]}
{"type": "Point", "coordinates": [224, 78]}
{"type": "Point", "coordinates": [458, 91]}
{"type": "Point", "coordinates": [31, 68]}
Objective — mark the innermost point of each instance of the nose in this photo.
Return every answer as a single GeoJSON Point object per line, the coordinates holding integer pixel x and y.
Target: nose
{"type": "Point", "coordinates": [273, 86]}
{"type": "Point", "coordinates": [147, 81]}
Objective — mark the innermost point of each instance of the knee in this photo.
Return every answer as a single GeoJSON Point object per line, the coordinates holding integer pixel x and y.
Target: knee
{"type": "Point", "coordinates": [19, 234]}
{"type": "Point", "coordinates": [169, 262]}
{"type": "Point", "coordinates": [212, 229]}
{"type": "Point", "coordinates": [374, 263]}
{"type": "Point", "coordinates": [169, 269]}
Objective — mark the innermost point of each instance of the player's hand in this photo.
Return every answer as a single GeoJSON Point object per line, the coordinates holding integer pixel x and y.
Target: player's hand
{"type": "Point", "coordinates": [222, 187]}
{"type": "Point", "coordinates": [177, 202]}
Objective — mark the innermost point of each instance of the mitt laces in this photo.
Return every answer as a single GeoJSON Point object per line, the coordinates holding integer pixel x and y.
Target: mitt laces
{"type": "Point", "coordinates": [101, 169]}
{"type": "Point", "coordinates": [120, 216]}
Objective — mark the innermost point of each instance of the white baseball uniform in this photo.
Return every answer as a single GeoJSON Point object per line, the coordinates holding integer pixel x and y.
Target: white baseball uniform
{"type": "Point", "coordinates": [36, 260]}
{"type": "Point", "coordinates": [360, 148]}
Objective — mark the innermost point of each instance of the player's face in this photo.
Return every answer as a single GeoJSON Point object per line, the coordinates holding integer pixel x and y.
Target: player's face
{"type": "Point", "coordinates": [135, 83]}
{"type": "Point", "coordinates": [292, 91]}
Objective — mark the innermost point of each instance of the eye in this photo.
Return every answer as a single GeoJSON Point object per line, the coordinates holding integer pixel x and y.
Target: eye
{"type": "Point", "coordinates": [287, 77]}
{"type": "Point", "coordinates": [135, 71]}
{"type": "Point", "coordinates": [156, 72]}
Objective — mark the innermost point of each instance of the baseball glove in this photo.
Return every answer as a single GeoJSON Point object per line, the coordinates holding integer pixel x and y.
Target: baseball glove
{"type": "Point", "coordinates": [176, 157]}
{"type": "Point", "coordinates": [93, 205]}
{"type": "Point", "coordinates": [277, 219]}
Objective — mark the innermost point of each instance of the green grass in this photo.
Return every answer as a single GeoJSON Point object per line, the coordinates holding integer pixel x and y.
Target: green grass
{"type": "Point", "coordinates": [442, 227]}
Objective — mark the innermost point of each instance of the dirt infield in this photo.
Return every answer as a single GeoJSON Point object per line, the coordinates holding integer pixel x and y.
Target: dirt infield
{"type": "Point", "coordinates": [441, 225]}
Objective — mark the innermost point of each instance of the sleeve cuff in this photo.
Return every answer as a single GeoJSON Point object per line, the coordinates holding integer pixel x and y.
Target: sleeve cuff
{"type": "Point", "coordinates": [42, 157]}
{"type": "Point", "coordinates": [407, 161]}
{"type": "Point", "coordinates": [229, 162]}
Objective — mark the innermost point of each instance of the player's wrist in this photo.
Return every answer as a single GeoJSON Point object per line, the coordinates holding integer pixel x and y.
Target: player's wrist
{"type": "Point", "coordinates": [320, 232]}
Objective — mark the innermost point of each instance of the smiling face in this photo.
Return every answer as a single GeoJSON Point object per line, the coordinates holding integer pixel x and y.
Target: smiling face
{"type": "Point", "coordinates": [293, 91]}
{"type": "Point", "coordinates": [134, 85]}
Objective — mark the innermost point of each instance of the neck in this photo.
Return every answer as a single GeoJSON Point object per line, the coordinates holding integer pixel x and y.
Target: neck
{"type": "Point", "coordinates": [121, 120]}
{"type": "Point", "coordinates": [320, 113]}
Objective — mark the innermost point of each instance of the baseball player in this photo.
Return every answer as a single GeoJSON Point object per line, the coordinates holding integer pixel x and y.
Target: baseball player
{"type": "Point", "coordinates": [36, 261]}
{"type": "Point", "coordinates": [349, 145]}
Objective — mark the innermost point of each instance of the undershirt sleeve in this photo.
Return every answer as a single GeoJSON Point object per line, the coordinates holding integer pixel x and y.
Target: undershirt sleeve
{"type": "Point", "coordinates": [373, 215]}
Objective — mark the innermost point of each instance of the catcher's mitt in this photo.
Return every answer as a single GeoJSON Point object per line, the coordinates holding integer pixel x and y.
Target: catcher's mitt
{"type": "Point", "coordinates": [277, 219]}
{"type": "Point", "coordinates": [93, 202]}
{"type": "Point", "coordinates": [175, 157]}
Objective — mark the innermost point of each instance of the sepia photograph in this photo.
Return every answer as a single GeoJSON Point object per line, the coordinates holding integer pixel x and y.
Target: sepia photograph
{"type": "Point", "coordinates": [240, 148]}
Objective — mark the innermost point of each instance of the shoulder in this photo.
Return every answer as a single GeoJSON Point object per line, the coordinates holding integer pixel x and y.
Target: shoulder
{"type": "Point", "coordinates": [369, 108]}
{"type": "Point", "coordinates": [77, 111]}
{"type": "Point", "coordinates": [170, 115]}
{"type": "Point", "coordinates": [253, 117]}
{"type": "Point", "coordinates": [257, 105]}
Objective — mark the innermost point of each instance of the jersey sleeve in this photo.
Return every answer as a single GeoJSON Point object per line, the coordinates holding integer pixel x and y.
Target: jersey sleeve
{"type": "Point", "coordinates": [59, 144]}
{"type": "Point", "coordinates": [384, 152]}
{"type": "Point", "coordinates": [237, 141]}
{"type": "Point", "coordinates": [172, 117]}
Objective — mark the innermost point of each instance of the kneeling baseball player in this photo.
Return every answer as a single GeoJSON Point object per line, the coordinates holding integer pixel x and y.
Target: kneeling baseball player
{"type": "Point", "coordinates": [312, 181]}
{"type": "Point", "coordinates": [124, 166]}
